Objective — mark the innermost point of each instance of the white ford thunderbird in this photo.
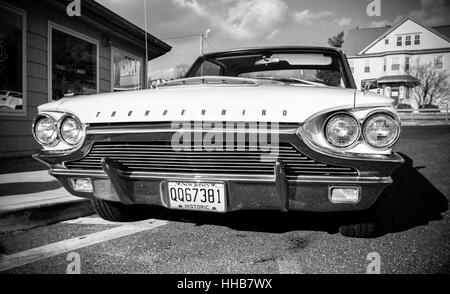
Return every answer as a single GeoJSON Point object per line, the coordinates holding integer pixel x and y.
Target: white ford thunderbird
{"type": "Point", "coordinates": [280, 128]}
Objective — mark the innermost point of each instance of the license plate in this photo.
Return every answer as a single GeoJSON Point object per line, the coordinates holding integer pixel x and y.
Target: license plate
{"type": "Point", "coordinates": [197, 196]}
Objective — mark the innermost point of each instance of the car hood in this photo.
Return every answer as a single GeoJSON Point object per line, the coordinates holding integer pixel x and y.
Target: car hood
{"type": "Point", "coordinates": [202, 102]}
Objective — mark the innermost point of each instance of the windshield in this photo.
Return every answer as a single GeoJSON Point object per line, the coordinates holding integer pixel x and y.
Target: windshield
{"type": "Point", "coordinates": [303, 69]}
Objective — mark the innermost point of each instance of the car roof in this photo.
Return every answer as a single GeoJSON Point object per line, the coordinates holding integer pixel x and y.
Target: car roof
{"type": "Point", "coordinates": [262, 49]}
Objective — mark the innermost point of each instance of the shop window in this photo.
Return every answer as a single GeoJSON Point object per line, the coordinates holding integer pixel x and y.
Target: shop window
{"type": "Point", "coordinates": [127, 72]}
{"type": "Point", "coordinates": [73, 64]}
{"type": "Point", "coordinates": [12, 61]}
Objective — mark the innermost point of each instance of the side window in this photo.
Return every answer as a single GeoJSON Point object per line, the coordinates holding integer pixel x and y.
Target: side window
{"type": "Point", "coordinates": [395, 63]}
{"type": "Point", "coordinates": [439, 62]}
{"type": "Point", "coordinates": [367, 66]}
{"type": "Point", "coordinates": [208, 69]}
{"type": "Point", "coordinates": [408, 41]}
{"type": "Point", "coordinates": [416, 39]}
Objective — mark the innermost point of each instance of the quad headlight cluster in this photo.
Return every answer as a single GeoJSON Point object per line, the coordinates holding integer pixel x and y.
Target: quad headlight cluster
{"type": "Point", "coordinates": [49, 131]}
{"type": "Point", "coordinates": [379, 130]}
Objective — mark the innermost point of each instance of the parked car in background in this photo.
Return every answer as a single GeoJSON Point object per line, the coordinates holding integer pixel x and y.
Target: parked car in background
{"type": "Point", "coordinates": [10, 100]}
{"type": "Point", "coordinates": [279, 128]}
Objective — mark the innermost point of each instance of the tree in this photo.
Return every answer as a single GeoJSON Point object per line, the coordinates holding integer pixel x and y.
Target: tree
{"type": "Point", "coordinates": [181, 70]}
{"type": "Point", "coordinates": [432, 87]}
{"type": "Point", "coordinates": [329, 77]}
{"type": "Point", "coordinates": [336, 41]}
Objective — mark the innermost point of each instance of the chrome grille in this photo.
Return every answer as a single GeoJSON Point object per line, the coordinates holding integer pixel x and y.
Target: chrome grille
{"type": "Point", "coordinates": [160, 157]}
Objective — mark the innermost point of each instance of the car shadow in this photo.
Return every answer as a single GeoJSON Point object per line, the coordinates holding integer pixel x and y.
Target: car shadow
{"type": "Point", "coordinates": [410, 202]}
{"type": "Point", "coordinates": [23, 188]}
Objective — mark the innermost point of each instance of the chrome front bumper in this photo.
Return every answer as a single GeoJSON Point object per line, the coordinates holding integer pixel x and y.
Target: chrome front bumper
{"type": "Point", "coordinates": [243, 193]}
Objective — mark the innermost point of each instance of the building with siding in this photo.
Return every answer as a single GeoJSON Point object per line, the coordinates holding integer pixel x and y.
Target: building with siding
{"type": "Point", "coordinates": [386, 55]}
{"type": "Point", "coordinates": [45, 55]}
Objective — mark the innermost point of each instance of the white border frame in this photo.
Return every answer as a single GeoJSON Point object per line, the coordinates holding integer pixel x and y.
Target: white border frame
{"type": "Point", "coordinates": [24, 110]}
{"type": "Point", "coordinates": [54, 26]}
{"type": "Point", "coordinates": [115, 49]}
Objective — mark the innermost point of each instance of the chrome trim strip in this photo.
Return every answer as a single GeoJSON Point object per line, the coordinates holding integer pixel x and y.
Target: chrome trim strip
{"type": "Point", "coordinates": [219, 177]}
{"type": "Point", "coordinates": [165, 130]}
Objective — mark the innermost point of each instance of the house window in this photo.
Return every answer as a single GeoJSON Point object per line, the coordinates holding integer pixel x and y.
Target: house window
{"type": "Point", "coordinates": [127, 71]}
{"type": "Point", "coordinates": [367, 66]}
{"type": "Point", "coordinates": [73, 66]}
{"type": "Point", "coordinates": [399, 41]}
{"type": "Point", "coordinates": [395, 64]}
{"type": "Point", "coordinates": [12, 61]}
{"type": "Point", "coordinates": [384, 64]}
{"type": "Point", "coordinates": [407, 62]}
{"type": "Point", "coordinates": [439, 62]}
{"type": "Point", "coordinates": [408, 40]}
{"type": "Point", "coordinates": [386, 41]}
{"type": "Point", "coordinates": [416, 39]}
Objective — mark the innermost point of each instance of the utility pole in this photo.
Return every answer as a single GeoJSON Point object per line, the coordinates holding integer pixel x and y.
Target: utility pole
{"type": "Point", "coordinates": [203, 37]}
{"type": "Point", "coordinates": [146, 46]}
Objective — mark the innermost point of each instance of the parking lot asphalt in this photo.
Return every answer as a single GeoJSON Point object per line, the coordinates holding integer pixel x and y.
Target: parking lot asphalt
{"type": "Point", "coordinates": [417, 241]}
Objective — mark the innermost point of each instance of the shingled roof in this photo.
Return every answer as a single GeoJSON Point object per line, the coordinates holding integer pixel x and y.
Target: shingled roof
{"type": "Point", "coordinates": [357, 39]}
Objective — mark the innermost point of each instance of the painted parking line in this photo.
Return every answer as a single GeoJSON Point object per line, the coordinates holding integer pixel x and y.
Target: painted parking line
{"type": "Point", "coordinates": [288, 266]}
{"type": "Point", "coordinates": [8, 262]}
{"type": "Point", "coordinates": [91, 221]}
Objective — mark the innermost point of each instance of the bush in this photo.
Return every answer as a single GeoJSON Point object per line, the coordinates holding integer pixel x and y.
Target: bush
{"type": "Point", "coordinates": [430, 108]}
{"type": "Point", "coordinates": [404, 106]}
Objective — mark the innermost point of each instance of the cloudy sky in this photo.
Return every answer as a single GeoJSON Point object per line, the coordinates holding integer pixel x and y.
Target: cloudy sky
{"type": "Point", "coordinates": [241, 23]}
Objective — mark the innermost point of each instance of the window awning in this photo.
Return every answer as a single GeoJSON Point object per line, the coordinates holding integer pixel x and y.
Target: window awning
{"type": "Point", "coordinates": [406, 79]}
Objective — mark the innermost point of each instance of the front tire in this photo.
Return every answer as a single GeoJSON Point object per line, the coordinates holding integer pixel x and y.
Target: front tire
{"type": "Point", "coordinates": [116, 212]}
{"type": "Point", "coordinates": [359, 230]}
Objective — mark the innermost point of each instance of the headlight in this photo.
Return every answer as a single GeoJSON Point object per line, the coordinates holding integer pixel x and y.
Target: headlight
{"type": "Point", "coordinates": [381, 130]}
{"type": "Point", "coordinates": [342, 130]}
{"type": "Point", "coordinates": [71, 130]}
{"type": "Point", "coordinates": [45, 130]}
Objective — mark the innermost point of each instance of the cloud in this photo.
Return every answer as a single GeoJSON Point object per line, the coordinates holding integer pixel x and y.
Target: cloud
{"type": "Point", "coordinates": [245, 19]}
{"type": "Point", "coordinates": [273, 34]}
{"type": "Point", "coordinates": [383, 23]}
{"type": "Point", "coordinates": [343, 22]}
{"type": "Point", "coordinates": [431, 12]}
{"type": "Point", "coordinates": [308, 17]}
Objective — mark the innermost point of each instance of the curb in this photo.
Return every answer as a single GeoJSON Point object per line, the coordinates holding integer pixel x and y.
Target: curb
{"type": "Point", "coordinates": [45, 214]}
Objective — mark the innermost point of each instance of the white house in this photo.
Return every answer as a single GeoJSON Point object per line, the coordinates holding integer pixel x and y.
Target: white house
{"type": "Point", "coordinates": [386, 54]}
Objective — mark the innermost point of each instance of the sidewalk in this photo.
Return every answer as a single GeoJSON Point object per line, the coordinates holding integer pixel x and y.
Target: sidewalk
{"type": "Point", "coordinates": [30, 197]}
